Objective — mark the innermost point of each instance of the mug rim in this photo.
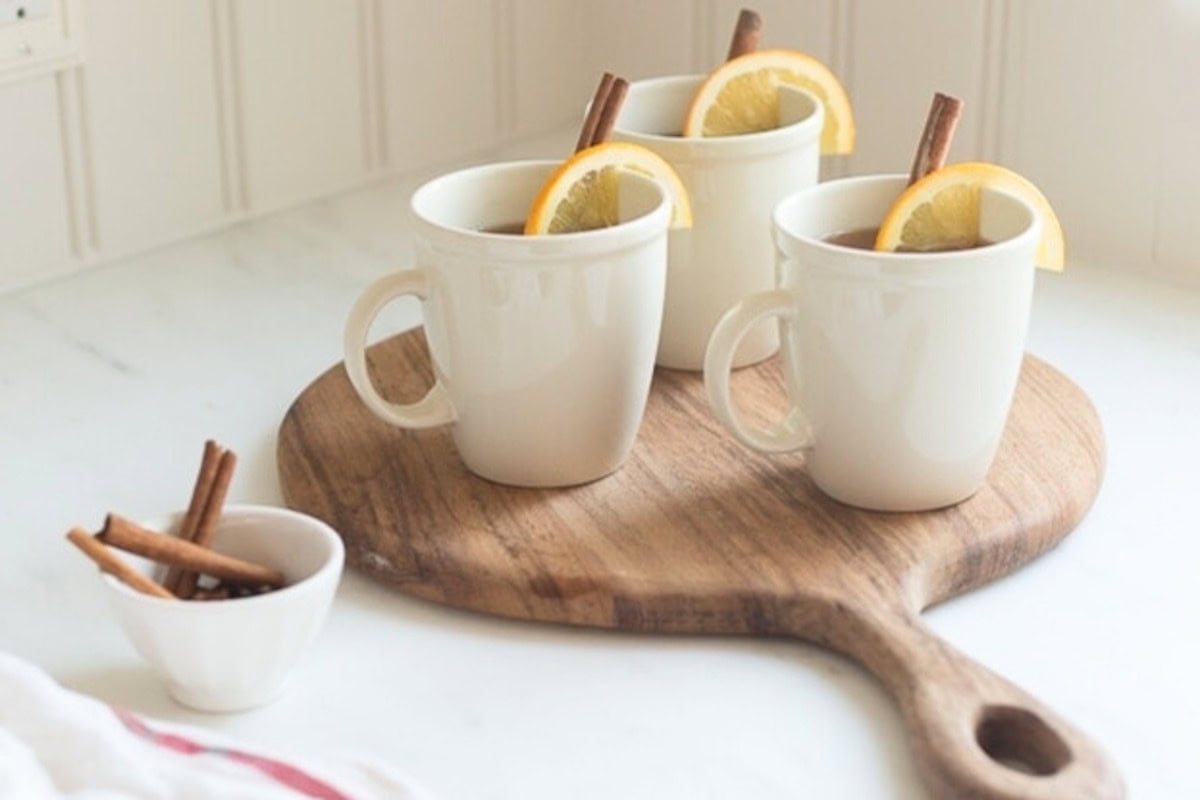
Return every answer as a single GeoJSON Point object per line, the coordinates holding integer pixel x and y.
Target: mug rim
{"type": "Point", "coordinates": [517, 247]}
{"type": "Point", "coordinates": [786, 232]}
{"type": "Point", "coordinates": [784, 137]}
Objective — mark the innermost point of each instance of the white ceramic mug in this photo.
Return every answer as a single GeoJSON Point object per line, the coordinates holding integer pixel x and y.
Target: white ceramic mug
{"type": "Point", "coordinates": [542, 347]}
{"type": "Point", "coordinates": [733, 183]}
{"type": "Point", "coordinates": [900, 367]}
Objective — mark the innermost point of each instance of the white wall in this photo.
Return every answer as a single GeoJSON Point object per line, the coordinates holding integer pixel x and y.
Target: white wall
{"type": "Point", "coordinates": [137, 122]}
{"type": "Point", "coordinates": [172, 117]}
{"type": "Point", "coordinates": [1094, 100]}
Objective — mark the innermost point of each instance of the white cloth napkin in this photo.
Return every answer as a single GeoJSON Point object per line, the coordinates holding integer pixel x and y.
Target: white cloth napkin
{"type": "Point", "coordinates": [58, 744]}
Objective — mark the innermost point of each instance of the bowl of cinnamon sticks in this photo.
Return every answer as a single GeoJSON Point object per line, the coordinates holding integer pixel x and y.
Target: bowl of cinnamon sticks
{"type": "Point", "coordinates": [220, 600]}
{"type": "Point", "coordinates": [234, 651]}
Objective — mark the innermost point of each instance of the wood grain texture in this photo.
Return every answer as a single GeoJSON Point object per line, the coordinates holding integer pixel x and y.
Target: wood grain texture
{"type": "Point", "coordinates": [697, 534]}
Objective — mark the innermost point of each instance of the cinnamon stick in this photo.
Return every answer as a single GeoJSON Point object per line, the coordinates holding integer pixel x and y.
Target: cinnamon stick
{"type": "Point", "coordinates": [210, 516]}
{"type": "Point", "coordinates": [612, 107]}
{"type": "Point", "coordinates": [200, 493]}
{"type": "Point", "coordinates": [588, 131]}
{"type": "Point", "coordinates": [935, 139]}
{"type": "Point", "coordinates": [745, 34]}
{"type": "Point", "coordinates": [124, 534]}
{"type": "Point", "coordinates": [110, 562]}
{"type": "Point", "coordinates": [602, 113]}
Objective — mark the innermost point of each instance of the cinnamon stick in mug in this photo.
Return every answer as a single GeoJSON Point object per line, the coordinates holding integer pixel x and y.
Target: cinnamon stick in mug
{"type": "Point", "coordinates": [745, 34]}
{"type": "Point", "coordinates": [587, 131]}
{"type": "Point", "coordinates": [612, 107]}
{"type": "Point", "coordinates": [935, 139]}
{"type": "Point", "coordinates": [602, 113]}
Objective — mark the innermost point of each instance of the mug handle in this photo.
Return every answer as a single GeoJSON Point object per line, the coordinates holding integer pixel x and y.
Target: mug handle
{"type": "Point", "coordinates": [431, 410]}
{"type": "Point", "coordinates": [793, 432]}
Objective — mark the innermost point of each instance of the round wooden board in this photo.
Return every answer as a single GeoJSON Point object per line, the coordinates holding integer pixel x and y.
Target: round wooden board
{"type": "Point", "coordinates": [695, 533]}
{"type": "Point", "coordinates": [692, 517]}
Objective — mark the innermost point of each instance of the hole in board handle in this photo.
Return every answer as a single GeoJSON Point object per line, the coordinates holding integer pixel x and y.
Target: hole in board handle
{"type": "Point", "coordinates": [1021, 741]}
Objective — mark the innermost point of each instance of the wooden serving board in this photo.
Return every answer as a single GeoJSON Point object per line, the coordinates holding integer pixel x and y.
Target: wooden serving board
{"type": "Point", "coordinates": [697, 534]}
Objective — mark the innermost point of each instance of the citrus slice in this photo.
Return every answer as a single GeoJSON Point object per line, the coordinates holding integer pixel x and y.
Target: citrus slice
{"type": "Point", "coordinates": [741, 96]}
{"type": "Point", "coordinates": [941, 211]}
{"type": "Point", "coordinates": [582, 194]}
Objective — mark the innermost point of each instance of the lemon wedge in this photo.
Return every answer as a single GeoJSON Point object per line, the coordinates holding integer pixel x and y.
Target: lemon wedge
{"type": "Point", "coordinates": [941, 211]}
{"type": "Point", "coordinates": [742, 96]}
{"type": "Point", "coordinates": [582, 194]}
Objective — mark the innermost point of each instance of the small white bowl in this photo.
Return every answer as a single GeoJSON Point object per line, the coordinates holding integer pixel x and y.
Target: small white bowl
{"type": "Point", "coordinates": [230, 655]}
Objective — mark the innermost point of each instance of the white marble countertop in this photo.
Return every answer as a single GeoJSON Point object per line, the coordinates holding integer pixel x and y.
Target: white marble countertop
{"type": "Point", "coordinates": [111, 380]}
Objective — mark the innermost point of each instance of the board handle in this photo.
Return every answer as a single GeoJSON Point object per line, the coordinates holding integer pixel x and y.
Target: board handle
{"type": "Point", "coordinates": [976, 735]}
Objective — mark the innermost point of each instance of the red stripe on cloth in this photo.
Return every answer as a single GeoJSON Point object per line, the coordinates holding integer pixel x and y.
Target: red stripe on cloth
{"type": "Point", "coordinates": [288, 775]}
{"type": "Point", "coordinates": [284, 774]}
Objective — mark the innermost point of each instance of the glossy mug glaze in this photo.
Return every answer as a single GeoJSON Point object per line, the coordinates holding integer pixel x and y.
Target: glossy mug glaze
{"type": "Point", "coordinates": [734, 183]}
{"type": "Point", "coordinates": [542, 346]}
{"type": "Point", "coordinates": [900, 367]}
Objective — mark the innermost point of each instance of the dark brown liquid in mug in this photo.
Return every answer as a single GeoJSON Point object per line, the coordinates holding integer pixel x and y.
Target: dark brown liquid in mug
{"type": "Point", "coordinates": [864, 239]}
{"type": "Point", "coordinates": [860, 239]}
{"type": "Point", "coordinates": [506, 229]}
